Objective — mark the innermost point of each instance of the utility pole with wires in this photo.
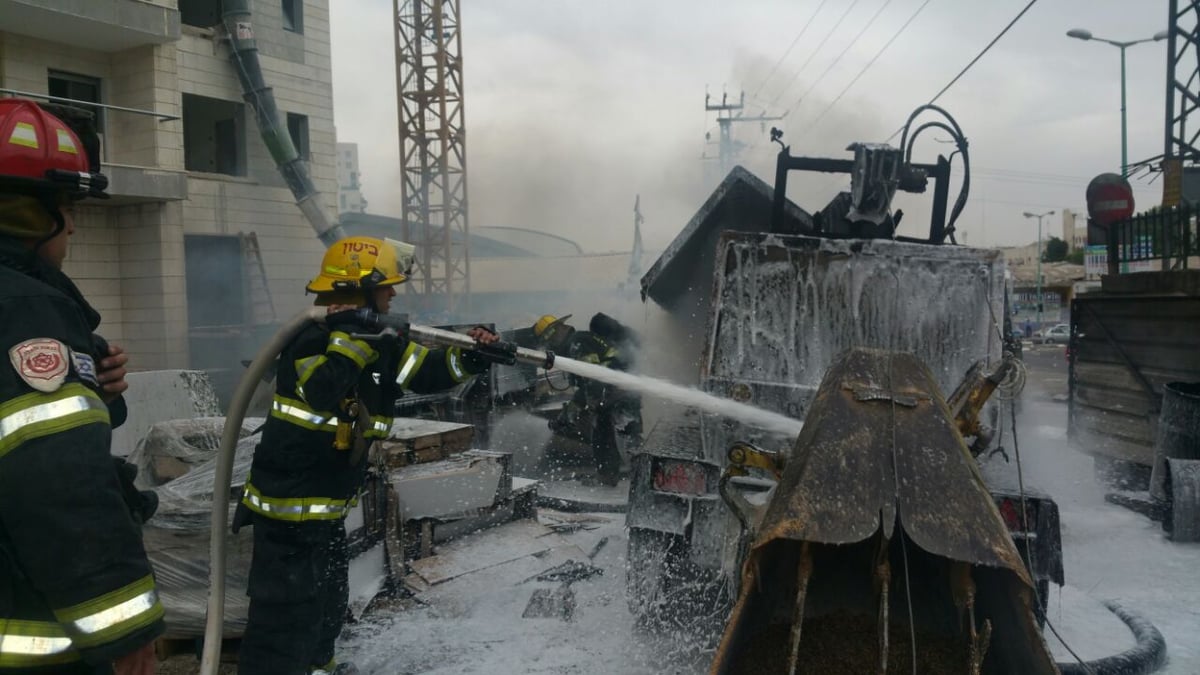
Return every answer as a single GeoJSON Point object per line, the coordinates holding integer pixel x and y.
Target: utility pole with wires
{"type": "Point", "coordinates": [726, 117]}
{"type": "Point", "coordinates": [635, 254]}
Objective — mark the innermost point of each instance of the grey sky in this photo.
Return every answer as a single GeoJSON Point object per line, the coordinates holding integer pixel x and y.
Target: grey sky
{"type": "Point", "coordinates": [574, 107]}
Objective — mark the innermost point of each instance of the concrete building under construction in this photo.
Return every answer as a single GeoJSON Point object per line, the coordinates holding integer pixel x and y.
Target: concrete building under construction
{"type": "Point", "coordinates": [202, 240]}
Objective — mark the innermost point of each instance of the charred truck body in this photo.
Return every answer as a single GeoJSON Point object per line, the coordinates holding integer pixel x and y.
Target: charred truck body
{"type": "Point", "coordinates": [788, 294]}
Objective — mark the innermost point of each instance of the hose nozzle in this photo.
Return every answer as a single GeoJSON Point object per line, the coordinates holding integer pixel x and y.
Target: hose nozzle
{"type": "Point", "coordinates": [502, 352]}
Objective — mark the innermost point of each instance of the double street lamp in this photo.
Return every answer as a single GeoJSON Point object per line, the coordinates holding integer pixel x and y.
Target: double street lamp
{"type": "Point", "coordinates": [1039, 217]}
{"type": "Point", "coordinates": [1081, 34]}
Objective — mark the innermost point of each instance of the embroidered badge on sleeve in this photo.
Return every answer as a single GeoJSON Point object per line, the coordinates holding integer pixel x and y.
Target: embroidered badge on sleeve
{"type": "Point", "coordinates": [41, 362]}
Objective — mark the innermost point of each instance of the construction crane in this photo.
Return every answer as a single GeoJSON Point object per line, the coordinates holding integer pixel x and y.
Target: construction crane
{"type": "Point", "coordinates": [433, 186]}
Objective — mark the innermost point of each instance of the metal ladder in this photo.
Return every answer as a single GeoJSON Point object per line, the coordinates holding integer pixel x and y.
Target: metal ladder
{"type": "Point", "coordinates": [258, 290]}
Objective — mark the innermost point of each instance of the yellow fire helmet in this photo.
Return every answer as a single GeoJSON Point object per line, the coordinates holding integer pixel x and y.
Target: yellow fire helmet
{"type": "Point", "coordinates": [363, 263]}
{"type": "Point", "coordinates": [546, 323]}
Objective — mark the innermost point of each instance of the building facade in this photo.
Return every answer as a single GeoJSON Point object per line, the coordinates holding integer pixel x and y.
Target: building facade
{"type": "Point", "coordinates": [1074, 229]}
{"type": "Point", "coordinates": [349, 197]}
{"type": "Point", "coordinates": [202, 244]}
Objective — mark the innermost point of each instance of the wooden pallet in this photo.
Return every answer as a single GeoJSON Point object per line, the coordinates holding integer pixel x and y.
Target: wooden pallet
{"type": "Point", "coordinates": [416, 441]}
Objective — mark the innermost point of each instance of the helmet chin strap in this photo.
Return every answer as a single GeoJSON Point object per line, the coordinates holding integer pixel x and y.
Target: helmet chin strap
{"type": "Point", "coordinates": [370, 303]}
{"type": "Point", "coordinates": [60, 224]}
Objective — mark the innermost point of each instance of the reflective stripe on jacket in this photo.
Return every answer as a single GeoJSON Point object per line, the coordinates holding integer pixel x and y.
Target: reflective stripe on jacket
{"type": "Point", "coordinates": [297, 473]}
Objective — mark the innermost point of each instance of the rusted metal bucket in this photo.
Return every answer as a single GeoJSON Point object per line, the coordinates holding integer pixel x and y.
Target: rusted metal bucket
{"type": "Point", "coordinates": [881, 542]}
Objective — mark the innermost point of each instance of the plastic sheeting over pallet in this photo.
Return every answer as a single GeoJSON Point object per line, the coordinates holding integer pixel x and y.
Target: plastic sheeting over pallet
{"type": "Point", "coordinates": [177, 537]}
{"type": "Point", "coordinates": [451, 490]}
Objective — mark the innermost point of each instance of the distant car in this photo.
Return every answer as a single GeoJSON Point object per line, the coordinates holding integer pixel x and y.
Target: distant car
{"type": "Point", "coordinates": [1017, 334]}
{"type": "Point", "coordinates": [1058, 334]}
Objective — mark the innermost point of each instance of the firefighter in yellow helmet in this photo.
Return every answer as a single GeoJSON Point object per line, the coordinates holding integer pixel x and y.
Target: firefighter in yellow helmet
{"type": "Point", "coordinates": [604, 417]}
{"type": "Point", "coordinates": [77, 595]}
{"type": "Point", "coordinates": [335, 393]}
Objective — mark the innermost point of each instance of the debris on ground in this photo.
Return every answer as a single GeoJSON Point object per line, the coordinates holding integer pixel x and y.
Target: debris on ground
{"type": "Point", "coordinates": [551, 603]}
{"type": "Point", "coordinates": [567, 572]}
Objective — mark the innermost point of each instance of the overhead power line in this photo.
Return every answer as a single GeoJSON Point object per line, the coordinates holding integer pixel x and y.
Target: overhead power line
{"type": "Point", "coordinates": [807, 61]}
{"type": "Point", "coordinates": [838, 58]}
{"type": "Point", "coordinates": [977, 57]}
{"type": "Point", "coordinates": [985, 50]}
{"type": "Point", "coordinates": [865, 68]}
{"type": "Point", "coordinates": [792, 46]}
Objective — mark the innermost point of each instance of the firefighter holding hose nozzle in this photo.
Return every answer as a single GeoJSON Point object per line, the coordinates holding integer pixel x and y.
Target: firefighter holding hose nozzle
{"type": "Point", "coordinates": [598, 414]}
{"type": "Point", "coordinates": [335, 394]}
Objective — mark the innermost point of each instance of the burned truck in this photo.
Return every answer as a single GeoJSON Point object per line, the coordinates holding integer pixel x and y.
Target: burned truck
{"type": "Point", "coordinates": [777, 295]}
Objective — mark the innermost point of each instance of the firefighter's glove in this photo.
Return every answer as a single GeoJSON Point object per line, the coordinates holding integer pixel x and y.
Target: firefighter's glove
{"type": "Point", "coordinates": [489, 349]}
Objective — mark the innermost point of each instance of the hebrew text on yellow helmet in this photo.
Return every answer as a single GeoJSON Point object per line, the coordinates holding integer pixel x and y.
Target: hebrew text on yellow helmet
{"type": "Point", "coordinates": [363, 263]}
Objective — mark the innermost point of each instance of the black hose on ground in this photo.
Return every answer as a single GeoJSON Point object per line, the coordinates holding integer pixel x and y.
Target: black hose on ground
{"type": "Point", "coordinates": [1147, 656]}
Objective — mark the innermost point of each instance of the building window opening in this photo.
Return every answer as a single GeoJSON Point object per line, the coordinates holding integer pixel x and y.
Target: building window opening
{"type": "Point", "coordinates": [77, 88]}
{"type": "Point", "coordinates": [214, 135]}
{"type": "Point", "coordinates": [293, 15]}
{"type": "Point", "coordinates": [200, 13]}
{"type": "Point", "coordinates": [298, 129]}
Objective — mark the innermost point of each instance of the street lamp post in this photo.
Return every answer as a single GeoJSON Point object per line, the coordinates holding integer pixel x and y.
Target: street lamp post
{"type": "Point", "coordinates": [1039, 217]}
{"type": "Point", "coordinates": [1081, 34]}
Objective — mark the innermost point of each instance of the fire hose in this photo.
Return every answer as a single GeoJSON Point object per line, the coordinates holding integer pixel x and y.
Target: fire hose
{"type": "Point", "coordinates": [386, 327]}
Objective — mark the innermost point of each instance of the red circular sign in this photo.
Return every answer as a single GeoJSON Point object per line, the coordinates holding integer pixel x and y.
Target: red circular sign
{"type": "Point", "coordinates": [1109, 199]}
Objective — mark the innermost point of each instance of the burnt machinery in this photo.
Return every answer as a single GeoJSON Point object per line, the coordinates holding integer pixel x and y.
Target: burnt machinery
{"type": "Point", "coordinates": [876, 172]}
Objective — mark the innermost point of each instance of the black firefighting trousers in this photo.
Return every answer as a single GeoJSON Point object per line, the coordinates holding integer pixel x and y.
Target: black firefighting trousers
{"type": "Point", "coordinates": [298, 590]}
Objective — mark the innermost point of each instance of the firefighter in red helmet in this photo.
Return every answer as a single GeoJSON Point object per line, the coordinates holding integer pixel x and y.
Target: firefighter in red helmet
{"type": "Point", "coordinates": [76, 590]}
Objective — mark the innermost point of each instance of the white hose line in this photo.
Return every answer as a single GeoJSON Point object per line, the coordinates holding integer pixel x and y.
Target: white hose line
{"type": "Point", "coordinates": [214, 626]}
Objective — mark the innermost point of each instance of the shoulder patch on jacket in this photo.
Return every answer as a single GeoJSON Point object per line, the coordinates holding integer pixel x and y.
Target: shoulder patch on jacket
{"type": "Point", "coordinates": [41, 362]}
{"type": "Point", "coordinates": [85, 366]}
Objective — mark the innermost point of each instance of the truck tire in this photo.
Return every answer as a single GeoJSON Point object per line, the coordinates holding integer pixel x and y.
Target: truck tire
{"type": "Point", "coordinates": [654, 558]}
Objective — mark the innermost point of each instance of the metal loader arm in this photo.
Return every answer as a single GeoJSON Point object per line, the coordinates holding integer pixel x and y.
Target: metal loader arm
{"type": "Point", "coordinates": [968, 399]}
{"type": "Point", "coordinates": [743, 457]}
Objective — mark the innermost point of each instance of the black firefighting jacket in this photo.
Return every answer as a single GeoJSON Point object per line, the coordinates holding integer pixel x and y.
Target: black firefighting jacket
{"type": "Point", "coordinates": [75, 583]}
{"type": "Point", "coordinates": [589, 347]}
{"type": "Point", "coordinates": [297, 473]}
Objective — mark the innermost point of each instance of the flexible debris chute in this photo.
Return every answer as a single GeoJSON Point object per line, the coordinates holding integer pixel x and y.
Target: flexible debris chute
{"type": "Point", "coordinates": [236, 16]}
